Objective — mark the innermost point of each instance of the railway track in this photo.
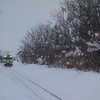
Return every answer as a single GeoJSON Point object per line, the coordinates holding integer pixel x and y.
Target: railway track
{"type": "Point", "coordinates": [37, 90]}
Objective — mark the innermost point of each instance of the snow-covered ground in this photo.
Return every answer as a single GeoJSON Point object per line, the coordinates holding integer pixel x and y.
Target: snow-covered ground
{"type": "Point", "coordinates": [67, 84]}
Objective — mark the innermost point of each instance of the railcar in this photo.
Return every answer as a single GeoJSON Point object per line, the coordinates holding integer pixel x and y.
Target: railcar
{"type": "Point", "coordinates": [8, 60]}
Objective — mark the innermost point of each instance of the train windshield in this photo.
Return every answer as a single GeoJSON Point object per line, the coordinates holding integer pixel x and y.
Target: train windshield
{"type": "Point", "coordinates": [8, 57]}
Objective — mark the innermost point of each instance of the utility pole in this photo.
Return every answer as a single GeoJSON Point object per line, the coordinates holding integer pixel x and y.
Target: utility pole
{"type": "Point", "coordinates": [7, 52]}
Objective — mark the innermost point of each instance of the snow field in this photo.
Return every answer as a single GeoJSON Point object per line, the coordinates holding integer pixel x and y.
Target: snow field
{"type": "Point", "coordinates": [68, 84]}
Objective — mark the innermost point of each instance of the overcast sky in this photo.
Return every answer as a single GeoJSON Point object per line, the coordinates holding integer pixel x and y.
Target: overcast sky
{"type": "Point", "coordinates": [18, 16]}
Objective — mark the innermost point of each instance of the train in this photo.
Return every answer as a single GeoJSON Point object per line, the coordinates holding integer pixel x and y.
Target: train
{"type": "Point", "coordinates": [8, 60]}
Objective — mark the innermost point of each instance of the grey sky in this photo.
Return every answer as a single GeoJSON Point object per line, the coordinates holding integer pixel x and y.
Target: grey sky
{"type": "Point", "coordinates": [18, 16]}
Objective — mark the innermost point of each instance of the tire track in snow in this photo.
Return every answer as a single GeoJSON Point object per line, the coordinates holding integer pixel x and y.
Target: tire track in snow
{"type": "Point", "coordinates": [25, 85]}
{"type": "Point", "coordinates": [43, 89]}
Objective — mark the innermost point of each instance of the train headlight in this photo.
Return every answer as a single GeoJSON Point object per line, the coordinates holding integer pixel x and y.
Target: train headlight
{"type": "Point", "coordinates": [10, 56]}
{"type": "Point", "coordinates": [4, 56]}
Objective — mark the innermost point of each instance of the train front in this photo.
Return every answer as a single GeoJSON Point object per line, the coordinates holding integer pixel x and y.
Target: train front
{"type": "Point", "coordinates": [8, 60]}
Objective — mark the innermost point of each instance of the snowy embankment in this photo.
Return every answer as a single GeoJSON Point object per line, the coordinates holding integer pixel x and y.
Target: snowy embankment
{"type": "Point", "coordinates": [68, 84]}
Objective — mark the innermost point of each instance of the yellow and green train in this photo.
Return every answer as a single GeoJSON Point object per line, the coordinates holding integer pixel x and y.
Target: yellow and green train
{"type": "Point", "coordinates": [8, 60]}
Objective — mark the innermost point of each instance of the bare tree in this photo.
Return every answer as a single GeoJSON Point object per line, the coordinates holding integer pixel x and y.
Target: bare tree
{"type": "Point", "coordinates": [75, 25]}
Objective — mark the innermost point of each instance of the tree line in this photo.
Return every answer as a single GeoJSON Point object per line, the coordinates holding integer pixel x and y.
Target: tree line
{"type": "Point", "coordinates": [72, 40]}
